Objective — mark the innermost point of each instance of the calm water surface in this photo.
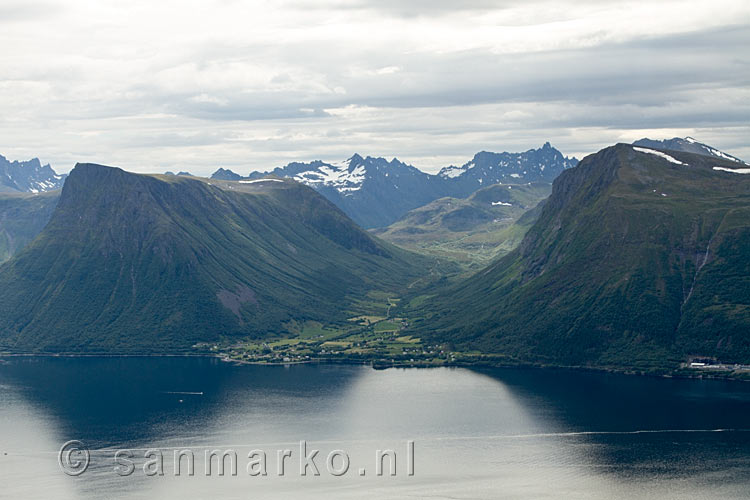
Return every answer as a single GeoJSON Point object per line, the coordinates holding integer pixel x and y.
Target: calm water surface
{"type": "Point", "coordinates": [490, 434]}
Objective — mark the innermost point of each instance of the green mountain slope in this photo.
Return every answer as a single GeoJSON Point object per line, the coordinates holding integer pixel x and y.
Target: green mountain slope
{"type": "Point", "coordinates": [22, 217]}
{"type": "Point", "coordinates": [137, 263]}
{"type": "Point", "coordinates": [635, 261]}
{"type": "Point", "coordinates": [471, 231]}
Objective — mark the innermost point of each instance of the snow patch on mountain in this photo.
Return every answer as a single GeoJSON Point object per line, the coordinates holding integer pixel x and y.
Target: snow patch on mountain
{"type": "Point", "coordinates": [734, 170]}
{"type": "Point", "coordinates": [453, 171]}
{"type": "Point", "coordinates": [260, 180]}
{"type": "Point", "coordinates": [659, 154]}
{"type": "Point", "coordinates": [721, 154]}
{"type": "Point", "coordinates": [344, 177]}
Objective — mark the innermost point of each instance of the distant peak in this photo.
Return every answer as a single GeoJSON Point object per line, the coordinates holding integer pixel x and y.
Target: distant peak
{"type": "Point", "coordinates": [225, 174]}
{"type": "Point", "coordinates": [29, 176]}
{"type": "Point", "coordinates": [690, 140]}
{"type": "Point", "coordinates": [34, 163]}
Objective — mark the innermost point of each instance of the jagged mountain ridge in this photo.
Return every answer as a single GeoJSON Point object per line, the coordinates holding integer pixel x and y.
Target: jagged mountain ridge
{"type": "Point", "coordinates": [28, 176]}
{"type": "Point", "coordinates": [376, 192]}
{"type": "Point", "coordinates": [372, 191]}
{"type": "Point", "coordinates": [486, 168]}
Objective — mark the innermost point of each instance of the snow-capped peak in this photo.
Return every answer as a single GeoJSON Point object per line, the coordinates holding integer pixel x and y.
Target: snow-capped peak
{"type": "Point", "coordinates": [346, 176]}
{"type": "Point", "coordinates": [28, 176]}
{"type": "Point", "coordinates": [350, 163]}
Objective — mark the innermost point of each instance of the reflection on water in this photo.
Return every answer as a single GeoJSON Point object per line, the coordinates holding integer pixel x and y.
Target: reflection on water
{"type": "Point", "coordinates": [487, 434]}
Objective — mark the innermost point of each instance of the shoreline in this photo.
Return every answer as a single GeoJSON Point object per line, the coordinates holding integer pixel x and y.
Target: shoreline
{"type": "Point", "coordinates": [382, 364]}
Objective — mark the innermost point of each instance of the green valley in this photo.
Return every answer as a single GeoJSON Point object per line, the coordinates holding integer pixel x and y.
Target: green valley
{"type": "Point", "coordinates": [470, 231]}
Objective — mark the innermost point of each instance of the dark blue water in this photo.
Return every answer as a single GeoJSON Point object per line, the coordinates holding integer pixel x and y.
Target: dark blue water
{"type": "Point", "coordinates": [486, 434]}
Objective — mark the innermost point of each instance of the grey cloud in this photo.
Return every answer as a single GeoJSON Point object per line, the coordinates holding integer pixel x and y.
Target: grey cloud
{"type": "Point", "coordinates": [438, 107]}
{"type": "Point", "coordinates": [652, 72]}
{"type": "Point", "coordinates": [430, 8]}
{"type": "Point", "coordinates": [612, 83]}
{"type": "Point", "coordinates": [427, 8]}
{"type": "Point", "coordinates": [13, 11]}
{"type": "Point", "coordinates": [640, 72]}
{"type": "Point", "coordinates": [259, 106]}
{"type": "Point", "coordinates": [412, 8]}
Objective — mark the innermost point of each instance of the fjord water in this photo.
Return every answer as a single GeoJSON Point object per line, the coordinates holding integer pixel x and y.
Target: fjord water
{"type": "Point", "coordinates": [509, 433]}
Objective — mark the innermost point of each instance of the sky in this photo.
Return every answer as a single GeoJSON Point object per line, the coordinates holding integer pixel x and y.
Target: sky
{"type": "Point", "coordinates": [197, 85]}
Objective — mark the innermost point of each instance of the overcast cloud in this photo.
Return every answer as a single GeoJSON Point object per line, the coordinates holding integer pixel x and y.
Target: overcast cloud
{"type": "Point", "coordinates": [253, 85]}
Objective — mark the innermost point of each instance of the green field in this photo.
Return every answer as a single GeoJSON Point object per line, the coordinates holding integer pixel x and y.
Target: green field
{"type": "Point", "coordinates": [363, 338]}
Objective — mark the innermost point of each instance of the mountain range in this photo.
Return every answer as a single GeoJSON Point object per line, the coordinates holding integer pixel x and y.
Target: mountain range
{"type": "Point", "coordinates": [141, 263]}
{"type": "Point", "coordinates": [638, 259]}
{"type": "Point", "coordinates": [373, 191]}
{"type": "Point", "coordinates": [376, 192]}
{"type": "Point", "coordinates": [471, 231]}
{"type": "Point", "coordinates": [28, 176]}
